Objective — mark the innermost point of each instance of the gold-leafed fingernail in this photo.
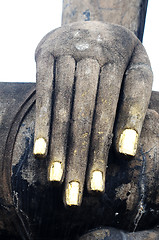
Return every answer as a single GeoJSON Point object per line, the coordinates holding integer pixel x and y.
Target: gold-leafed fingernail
{"type": "Point", "coordinates": [55, 172]}
{"type": "Point", "coordinates": [128, 142]}
{"type": "Point", "coordinates": [72, 194]}
{"type": "Point", "coordinates": [97, 183]}
{"type": "Point", "coordinates": [40, 147]}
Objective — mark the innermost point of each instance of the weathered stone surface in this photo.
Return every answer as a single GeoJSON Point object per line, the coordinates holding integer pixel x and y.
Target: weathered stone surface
{"type": "Point", "coordinates": [106, 56]}
{"type": "Point", "coordinates": [31, 207]}
{"type": "Point", "coordinates": [87, 75]}
{"type": "Point", "coordinates": [44, 91]}
{"type": "Point", "coordinates": [63, 94]}
{"type": "Point", "coordinates": [12, 96]}
{"type": "Point", "coordinates": [154, 104]}
{"type": "Point", "coordinates": [106, 234]}
{"type": "Point", "coordinates": [104, 43]}
{"type": "Point", "coordinates": [130, 14]}
{"type": "Point", "coordinates": [131, 199]}
{"type": "Point", "coordinates": [100, 41]}
{"type": "Point", "coordinates": [131, 108]}
{"type": "Point", "coordinates": [113, 234]}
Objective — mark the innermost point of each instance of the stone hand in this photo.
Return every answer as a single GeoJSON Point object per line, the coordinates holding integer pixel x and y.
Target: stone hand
{"type": "Point", "coordinates": [81, 71]}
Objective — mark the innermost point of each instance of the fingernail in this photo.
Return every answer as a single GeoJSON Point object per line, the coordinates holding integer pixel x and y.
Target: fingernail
{"type": "Point", "coordinates": [40, 147]}
{"type": "Point", "coordinates": [128, 142]}
{"type": "Point", "coordinates": [55, 172]}
{"type": "Point", "coordinates": [97, 181]}
{"type": "Point", "coordinates": [72, 194]}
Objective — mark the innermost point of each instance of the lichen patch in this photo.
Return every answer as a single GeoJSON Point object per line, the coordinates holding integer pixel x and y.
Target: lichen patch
{"type": "Point", "coordinates": [127, 192]}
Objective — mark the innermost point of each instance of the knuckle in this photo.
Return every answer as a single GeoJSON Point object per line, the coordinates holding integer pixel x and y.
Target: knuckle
{"type": "Point", "coordinates": [100, 41]}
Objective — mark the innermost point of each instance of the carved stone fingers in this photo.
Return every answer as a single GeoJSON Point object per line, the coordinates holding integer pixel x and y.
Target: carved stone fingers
{"type": "Point", "coordinates": [84, 67]}
{"type": "Point", "coordinates": [44, 91]}
{"type": "Point", "coordinates": [63, 94]}
{"type": "Point", "coordinates": [87, 75]}
{"type": "Point", "coordinates": [106, 104]}
{"type": "Point", "coordinates": [136, 92]}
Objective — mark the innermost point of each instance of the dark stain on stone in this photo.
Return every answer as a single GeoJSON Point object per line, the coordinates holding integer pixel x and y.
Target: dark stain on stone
{"type": "Point", "coordinates": [87, 15]}
{"type": "Point", "coordinates": [74, 11]}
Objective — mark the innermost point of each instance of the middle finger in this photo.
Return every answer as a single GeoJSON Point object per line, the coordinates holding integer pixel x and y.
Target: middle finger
{"type": "Point", "coordinates": [87, 75]}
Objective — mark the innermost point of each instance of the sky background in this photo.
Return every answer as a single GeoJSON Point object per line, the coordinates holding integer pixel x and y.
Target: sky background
{"type": "Point", "coordinates": [24, 23]}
